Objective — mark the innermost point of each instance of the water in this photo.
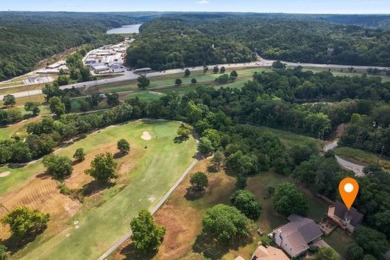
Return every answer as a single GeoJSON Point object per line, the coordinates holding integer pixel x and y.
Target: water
{"type": "Point", "coordinates": [125, 29]}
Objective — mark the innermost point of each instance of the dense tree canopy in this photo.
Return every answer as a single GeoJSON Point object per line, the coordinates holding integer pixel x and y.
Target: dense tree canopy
{"type": "Point", "coordinates": [103, 168]}
{"type": "Point", "coordinates": [225, 223]}
{"type": "Point", "coordinates": [199, 181]}
{"type": "Point", "coordinates": [59, 167]}
{"type": "Point", "coordinates": [372, 241]}
{"type": "Point", "coordinates": [246, 202]}
{"type": "Point", "coordinates": [147, 236]}
{"type": "Point", "coordinates": [25, 224]}
{"type": "Point", "coordinates": [289, 200]}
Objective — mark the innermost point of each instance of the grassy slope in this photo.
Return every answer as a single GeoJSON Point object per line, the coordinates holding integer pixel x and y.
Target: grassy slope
{"type": "Point", "coordinates": [161, 165]}
{"type": "Point", "coordinates": [362, 157]}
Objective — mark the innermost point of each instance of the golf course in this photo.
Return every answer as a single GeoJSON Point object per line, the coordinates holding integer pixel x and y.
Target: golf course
{"type": "Point", "coordinates": [151, 168]}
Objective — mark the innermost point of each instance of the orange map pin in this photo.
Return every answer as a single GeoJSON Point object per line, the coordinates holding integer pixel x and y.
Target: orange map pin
{"type": "Point", "coordinates": [348, 189]}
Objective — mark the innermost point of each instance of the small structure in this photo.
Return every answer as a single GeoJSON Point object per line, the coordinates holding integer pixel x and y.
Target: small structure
{"type": "Point", "coordinates": [344, 218]}
{"type": "Point", "coordinates": [294, 238]}
{"type": "Point", "coordinates": [269, 253]}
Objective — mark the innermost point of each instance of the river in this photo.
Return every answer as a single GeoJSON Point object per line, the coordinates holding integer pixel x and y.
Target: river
{"type": "Point", "coordinates": [125, 29]}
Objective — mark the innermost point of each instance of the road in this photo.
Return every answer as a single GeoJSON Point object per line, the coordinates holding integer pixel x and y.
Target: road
{"type": "Point", "coordinates": [129, 75]}
{"type": "Point", "coordinates": [155, 208]}
{"type": "Point", "coordinates": [356, 168]}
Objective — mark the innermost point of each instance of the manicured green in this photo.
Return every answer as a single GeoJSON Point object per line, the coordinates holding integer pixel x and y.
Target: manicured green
{"type": "Point", "coordinates": [154, 173]}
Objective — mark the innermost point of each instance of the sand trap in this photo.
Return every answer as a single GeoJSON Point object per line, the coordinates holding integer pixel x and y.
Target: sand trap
{"type": "Point", "coordinates": [4, 174]}
{"type": "Point", "coordinates": [146, 136]}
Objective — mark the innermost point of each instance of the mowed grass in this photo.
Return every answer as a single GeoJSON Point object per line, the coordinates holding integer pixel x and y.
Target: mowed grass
{"type": "Point", "coordinates": [157, 170]}
{"type": "Point", "coordinates": [362, 157]}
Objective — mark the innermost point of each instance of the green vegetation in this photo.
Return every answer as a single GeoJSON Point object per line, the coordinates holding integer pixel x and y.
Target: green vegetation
{"type": "Point", "coordinates": [199, 181]}
{"type": "Point", "coordinates": [79, 155]}
{"type": "Point", "coordinates": [372, 241]}
{"type": "Point", "coordinates": [38, 38]}
{"type": "Point", "coordinates": [123, 146]}
{"type": "Point", "coordinates": [154, 173]}
{"type": "Point", "coordinates": [225, 38]}
{"type": "Point", "coordinates": [59, 167]}
{"type": "Point", "coordinates": [289, 200]}
{"type": "Point", "coordinates": [147, 236]}
{"type": "Point", "coordinates": [103, 168]}
{"type": "Point", "coordinates": [247, 203]}
{"type": "Point", "coordinates": [26, 224]}
{"type": "Point", "coordinates": [362, 157]}
{"type": "Point", "coordinates": [326, 253]}
{"type": "Point", "coordinates": [225, 223]}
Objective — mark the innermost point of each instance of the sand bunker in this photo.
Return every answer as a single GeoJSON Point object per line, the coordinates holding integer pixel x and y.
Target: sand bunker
{"type": "Point", "coordinates": [146, 136]}
{"type": "Point", "coordinates": [4, 174]}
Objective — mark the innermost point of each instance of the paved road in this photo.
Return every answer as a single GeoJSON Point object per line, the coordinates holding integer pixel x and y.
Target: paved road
{"type": "Point", "coordinates": [129, 75]}
{"type": "Point", "coordinates": [160, 203]}
{"type": "Point", "coordinates": [356, 168]}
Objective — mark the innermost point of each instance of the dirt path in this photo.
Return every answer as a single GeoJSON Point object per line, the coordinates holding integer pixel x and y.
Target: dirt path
{"type": "Point", "coordinates": [155, 208]}
{"type": "Point", "coordinates": [356, 168]}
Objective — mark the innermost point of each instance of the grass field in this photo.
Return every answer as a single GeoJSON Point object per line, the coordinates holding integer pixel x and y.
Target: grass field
{"type": "Point", "coordinates": [362, 157]}
{"type": "Point", "coordinates": [102, 222]}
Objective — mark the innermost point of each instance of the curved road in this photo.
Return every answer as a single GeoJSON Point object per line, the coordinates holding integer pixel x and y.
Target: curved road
{"type": "Point", "coordinates": [129, 75]}
{"type": "Point", "coordinates": [356, 168]}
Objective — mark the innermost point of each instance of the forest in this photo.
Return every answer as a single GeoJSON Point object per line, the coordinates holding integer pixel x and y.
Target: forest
{"type": "Point", "coordinates": [197, 39]}
{"type": "Point", "coordinates": [36, 36]}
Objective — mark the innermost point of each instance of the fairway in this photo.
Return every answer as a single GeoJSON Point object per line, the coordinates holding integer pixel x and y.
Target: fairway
{"type": "Point", "coordinates": [100, 225]}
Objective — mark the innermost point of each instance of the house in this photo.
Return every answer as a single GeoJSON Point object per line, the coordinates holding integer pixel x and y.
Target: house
{"type": "Point", "coordinates": [269, 253]}
{"type": "Point", "coordinates": [294, 238]}
{"type": "Point", "coordinates": [346, 219]}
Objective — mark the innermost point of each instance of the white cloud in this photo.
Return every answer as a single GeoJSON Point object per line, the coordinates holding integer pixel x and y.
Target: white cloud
{"type": "Point", "coordinates": [203, 2]}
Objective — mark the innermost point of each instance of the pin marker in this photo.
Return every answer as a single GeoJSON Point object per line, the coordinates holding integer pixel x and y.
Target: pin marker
{"type": "Point", "coordinates": [348, 189]}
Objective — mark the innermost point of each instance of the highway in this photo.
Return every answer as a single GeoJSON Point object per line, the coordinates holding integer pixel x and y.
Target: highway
{"type": "Point", "coordinates": [129, 75]}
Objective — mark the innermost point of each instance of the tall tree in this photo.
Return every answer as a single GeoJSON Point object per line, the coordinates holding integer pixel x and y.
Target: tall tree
{"type": "Point", "coordinates": [26, 224]}
{"type": "Point", "coordinates": [123, 146]}
{"type": "Point", "coordinates": [9, 100]}
{"type": "Point", "coordinates": [59, 167]}
{"type": "Point", "coordinates": [247, 203]}
{"type": "Point", "coordinates": [56, 106]}
{"type": "Point", "coordinates": [199, 181]}
{"type": "Point", "coordinates": [187, 73]}
{"type": "Point", "coordinates": [147, 236]}
{"type": "Point", "coordinates": [289, 200]}
{"type": "Point", "coordinates": [79, 155]}
{"type": "Point", "coordinates": [103, 168]}
{"type": "Point", "coordinates": [143, 82]}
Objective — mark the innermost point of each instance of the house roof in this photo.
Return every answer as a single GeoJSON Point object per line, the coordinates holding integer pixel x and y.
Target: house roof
{"type": "Point", "coordinates": [299, 232]}
{"type": "Point", "coordinates": [269, 253]}
{"type": "Point", "coordinates": [342, 212]}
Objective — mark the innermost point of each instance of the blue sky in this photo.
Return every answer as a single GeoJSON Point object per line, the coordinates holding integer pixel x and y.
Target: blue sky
{"type": "Point", "coordinates": [284, 6]}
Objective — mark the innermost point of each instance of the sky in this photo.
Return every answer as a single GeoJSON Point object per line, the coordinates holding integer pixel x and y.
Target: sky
{"type": "Point", "coordinates": [259, 6]}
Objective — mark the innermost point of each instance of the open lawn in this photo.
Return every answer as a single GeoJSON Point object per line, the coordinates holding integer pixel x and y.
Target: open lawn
{"type": "Point", "coordinates": [339, 241]}
{"type": "Point", "coordinates": [150, 169]}
{"type": "Point", "coordinates": [362, 157]}
{"type": "Point", "coordinates": [18, 129]}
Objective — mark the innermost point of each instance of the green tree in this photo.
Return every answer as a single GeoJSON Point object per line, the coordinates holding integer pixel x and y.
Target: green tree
{"type": "Point", "coordinates": [372, 241]}
{"type": "Point", "coordinates": [143, 82]}
{"type": "Point", "coordinates": [223, 79]}
{"type": "Point", "coordinates": [187, 73]}
{"type": "Point", "coordinates": [369, 257]}
{"type": "Point", "coordinates": [79, 155]}
{"type": "Point", "coordinates": [32, 107]}
{"type": "Point", "coordinates": [84, 105]}
{"type": "Point", "coordinates": [178, 82]}
{"type": "Point", "coordinates": [184, 131]}
{"type": "Point", "coordinates": [222, 70]}
{"type": "Point", "coordinates": [26, 224]}
{"type": "Point", "coordinates": [205, 146]}
{"type": "Point", "coordinates": [59, 167]}
{"type": "Point", "coordinates": [194, 81]}
{"type": "Point", "coordinates": [225, 223]}
{"type": "Point", "coordinates": [354, 252]}
{"type": "Point", "coordinates": [326, 253]}
{"type": "Point", "coordinates": [278, 65]}
{"type": "Point", "coordinates": [288, 200]}
{"type": "Point", "coordinates": [3, 252]}
{"type": "Point", "coordinates": [247, 203]}
{"type": "Point", "coordinates": [123, 146]}
{"type": "Point", "coordinates": [218, 160]}
{"type": "Point", "coordinates": [205, 69]}
{"type": "Point", "coordinates": [9, 100]}
{"type": "Point", "coordinates": [56, 106]}
{"type": "Point", "coordinates": [103, 168]}
{"type": "Point", "coordinates": [234, 74]}
{"type": "Point", "coordinates": [216, 70]}
{"type": "Point", "coordinates": [147, 236]}
{"type": "Point", "coordinates": [113, 99]}
{"type": "Point", "coordinates": [199, 181]}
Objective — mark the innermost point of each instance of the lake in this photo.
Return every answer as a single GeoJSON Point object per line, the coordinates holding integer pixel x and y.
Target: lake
{"type": "Point", "coordinates": [125, 29]}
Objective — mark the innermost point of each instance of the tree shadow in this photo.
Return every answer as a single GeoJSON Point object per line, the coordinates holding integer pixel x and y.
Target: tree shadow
{"type": "Point", "coordinates": [213, 249]}
{"type": "Point", "coordinates": [192, 194]}
{"type": "Point", "coordinates": [14, 244]}
{"type": "Point", "coordinates": [119, 155]}
{"type": "Point", "coordinates": [95, 187]}
{"type": "Point", "coordinates": [130, 252]}
{"type": "Point", "coordinates": [180, 139]}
